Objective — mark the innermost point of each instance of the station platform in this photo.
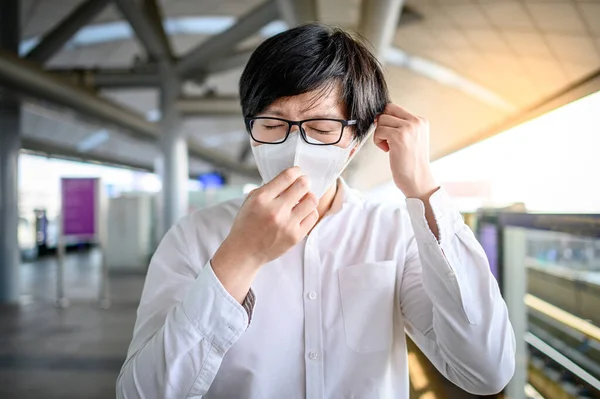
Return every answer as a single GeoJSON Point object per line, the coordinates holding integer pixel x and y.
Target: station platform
{"type": "Point", "coordinates": [76, 352]}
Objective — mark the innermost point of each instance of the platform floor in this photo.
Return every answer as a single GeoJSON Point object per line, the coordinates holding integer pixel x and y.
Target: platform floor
{"type": "Point", "coordinates": [77, 352]}
{"type": "Point", "coordinates": [47, 352]}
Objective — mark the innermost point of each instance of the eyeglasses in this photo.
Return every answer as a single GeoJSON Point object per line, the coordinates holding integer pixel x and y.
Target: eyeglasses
{"type": "Point", "coordinates": [267, 130]}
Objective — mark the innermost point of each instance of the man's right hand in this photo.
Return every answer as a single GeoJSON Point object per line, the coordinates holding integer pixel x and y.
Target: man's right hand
{"type": "Point", "coordinates": [274, 218]}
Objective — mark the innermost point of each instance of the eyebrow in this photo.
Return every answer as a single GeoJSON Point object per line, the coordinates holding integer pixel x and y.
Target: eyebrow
{"type": "Point", "coordinates": [280, 114]}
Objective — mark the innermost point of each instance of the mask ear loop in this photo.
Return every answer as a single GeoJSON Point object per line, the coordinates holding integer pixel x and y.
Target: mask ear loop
{"type": "Point", "coordinates": [358, 148]}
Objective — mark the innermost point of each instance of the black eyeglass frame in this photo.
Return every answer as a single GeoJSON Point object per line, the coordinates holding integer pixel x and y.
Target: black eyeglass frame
{"type": "Point", "coordinates": [290, 123]}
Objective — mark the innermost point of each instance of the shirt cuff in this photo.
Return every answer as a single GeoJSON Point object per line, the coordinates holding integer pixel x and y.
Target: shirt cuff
{"type": "Point", "coordinates": [214, 312]}
{"type": "Point", "coordinates": [447, 216]}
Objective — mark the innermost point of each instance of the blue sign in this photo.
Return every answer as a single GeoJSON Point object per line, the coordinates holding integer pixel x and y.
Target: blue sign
{"type": "Point", "coordinates": [211, 180]}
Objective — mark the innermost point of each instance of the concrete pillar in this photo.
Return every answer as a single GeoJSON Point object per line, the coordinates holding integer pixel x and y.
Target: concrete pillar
{"type": "Point", "coordinates": [378, 25]}
{"type": "Point", "coordinates": [10, 143]}
{"type": "Point", "coordinates": [175, 165]}
{"type": "Point", "coordinates": [379, 22]}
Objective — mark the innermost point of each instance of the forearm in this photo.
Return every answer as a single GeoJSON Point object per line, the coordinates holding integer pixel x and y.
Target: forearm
{"type": "Point", "coordinates": [235, 271]}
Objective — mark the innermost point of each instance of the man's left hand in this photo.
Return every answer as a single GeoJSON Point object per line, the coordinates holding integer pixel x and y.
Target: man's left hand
{"type": "Point", "coordinates": [406, 137]}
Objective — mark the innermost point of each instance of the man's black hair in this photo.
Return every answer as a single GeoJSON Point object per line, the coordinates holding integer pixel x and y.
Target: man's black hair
{"type": "Point", "coordinates": [315, 57]}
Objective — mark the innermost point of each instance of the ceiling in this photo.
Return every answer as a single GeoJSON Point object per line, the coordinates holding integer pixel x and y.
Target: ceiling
{"type": "Point", "coordinates": [508, 57]}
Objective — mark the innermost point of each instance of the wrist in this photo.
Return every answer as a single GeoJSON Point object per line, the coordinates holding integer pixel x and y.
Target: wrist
{"type": "Point", "coordinates": [422, 190]}
{"type": "Point", "coordinates": [233, 255]}
{"type": "Point", "coordinates": [235, 271]}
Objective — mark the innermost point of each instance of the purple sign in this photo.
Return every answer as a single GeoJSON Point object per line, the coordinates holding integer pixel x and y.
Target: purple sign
{"type": "Point", "coordinates": [488, 238]}
{"type": "Point", "coordinates": [79, 207]}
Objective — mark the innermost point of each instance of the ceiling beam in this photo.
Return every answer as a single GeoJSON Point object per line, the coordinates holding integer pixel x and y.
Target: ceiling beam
{"type": "Point", "coordinates": [209, 106]}
{"type": "Point", "coordinates": [26, 78]}
{"type": "Point", "coordinates": [234, 60]}
{"type": "Point", "coordinates": [110, 78]}
{"type": "Point", "coordinates": [220, 45]}
{"type": "Point", "coordinates": [156, 16]}
{"type": "Point", "coordinates": [54, 40]}
{"type": "Point", "coordinates": [149, 32]}
{"type": "Point", "coordinates": [50, 149]}
{"type": "Point", "coordinates": [221, 161]}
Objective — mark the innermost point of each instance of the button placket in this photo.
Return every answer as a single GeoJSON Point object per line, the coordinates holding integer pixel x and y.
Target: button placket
{"type": "Point", "coordinates": [312, 319]}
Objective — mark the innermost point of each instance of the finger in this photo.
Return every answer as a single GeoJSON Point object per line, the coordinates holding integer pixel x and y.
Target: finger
{"type": "Point", "coordinates": [281, 182]}
{"type": "Point", "coordinates": [305, 207]}
{"type": "Point", "coordinates": [383, 136]}
{"type": "Point", "coordinates": [294, 193]}
{"type": "Point", "coordinates": [381, 144]}
{"type": "Point", "coordinates": [392, 121]}
{"type": "Point", "coordinates": [399, 112]}
{"type": "Point", "coordinates": [309, 222]}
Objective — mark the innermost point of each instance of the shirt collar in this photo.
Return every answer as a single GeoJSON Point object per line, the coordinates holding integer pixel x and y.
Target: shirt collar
{"type": "Point", "coordinates": [344, 195]}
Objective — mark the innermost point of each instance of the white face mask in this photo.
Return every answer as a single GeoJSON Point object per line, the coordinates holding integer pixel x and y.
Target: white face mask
{"type": "Point", "coordinates": [323, 164]}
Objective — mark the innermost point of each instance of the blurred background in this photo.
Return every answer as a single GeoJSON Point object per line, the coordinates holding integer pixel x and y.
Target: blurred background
{"type": "Point", "coordinates": [117, 117]}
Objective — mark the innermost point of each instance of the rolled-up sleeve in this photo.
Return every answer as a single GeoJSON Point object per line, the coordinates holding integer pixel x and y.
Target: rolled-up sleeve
{"type": "Point", "coordinates": [451, 301]}
{"type": "Point", "coordinates": [186, 322]}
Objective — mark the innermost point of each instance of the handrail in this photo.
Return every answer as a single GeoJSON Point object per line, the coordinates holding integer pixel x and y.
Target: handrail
{"type": "Point", "coordinates": [561, 359]}
{"type": "Point", "coordinates": [566, 318]}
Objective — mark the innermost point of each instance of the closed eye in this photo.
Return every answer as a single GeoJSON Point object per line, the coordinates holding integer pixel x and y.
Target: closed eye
{"type": "Point", "coordinates": [272, 127]}
{"type": "Point", "coordinates": [322, 131]}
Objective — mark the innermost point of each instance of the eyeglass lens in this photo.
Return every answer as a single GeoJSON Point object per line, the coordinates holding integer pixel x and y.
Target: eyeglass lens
{"type": "Point", "coordinates": [318, 131]}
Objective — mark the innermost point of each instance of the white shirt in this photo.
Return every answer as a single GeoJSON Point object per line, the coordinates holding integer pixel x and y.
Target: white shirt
{"type": "Point", "coordinates": [330, 315]}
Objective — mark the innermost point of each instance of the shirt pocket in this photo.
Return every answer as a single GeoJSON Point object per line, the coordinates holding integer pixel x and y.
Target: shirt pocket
{"type": "Point", "coordinates": [367, 296]}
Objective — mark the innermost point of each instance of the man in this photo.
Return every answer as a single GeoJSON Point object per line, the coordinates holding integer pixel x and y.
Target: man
{"type": "Point", "coordinates": [305, 289]}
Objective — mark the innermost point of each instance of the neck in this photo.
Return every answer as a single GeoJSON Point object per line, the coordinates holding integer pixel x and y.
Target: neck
{"type": "Point", "coordinates": [326, 201]}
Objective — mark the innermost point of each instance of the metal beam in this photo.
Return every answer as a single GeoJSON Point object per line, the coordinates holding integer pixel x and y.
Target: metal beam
{"type": "Point", "coordinates": [54, 40]}
{"type": "Point", "coordinates": [209, 106]}
{"type": "Point", "coordinates": [221, 44]}
{"type": "Point", "coordinates": [196, 152]}
{"type": "Point", "coordinates": [155, 16]}
{"type": "Point", "coordinates": [109, 78]}
{"type": "Point", "coordinates": [219, 160]}
{"type": "Point", "coordinates": [232, 61]}
{"type": "Point", "coordinates": [296, 12]}
{"type": "Point", "coordinates": [148, 33]}
{"type": "Point", "coordinates": [28, 79]}
{"type": "Point", "coordinates": [48, 149]}
{"type": "Point", "coordinates": [41, 147]}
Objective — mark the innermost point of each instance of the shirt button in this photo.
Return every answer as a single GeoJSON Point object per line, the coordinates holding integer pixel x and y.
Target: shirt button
{"type": "Point", "coordinates": [313, 355]}
{"type": "Point", "coordinates": [312, 295]}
